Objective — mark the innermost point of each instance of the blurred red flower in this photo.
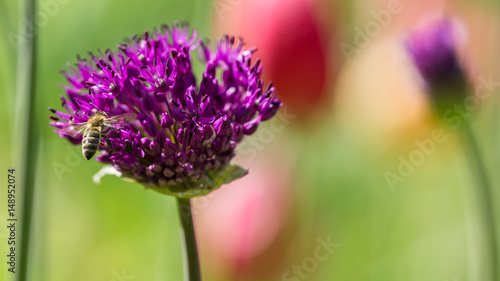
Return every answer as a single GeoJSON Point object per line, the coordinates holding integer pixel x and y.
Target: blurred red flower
{"type": "Point", "coordinates": [292, 42]}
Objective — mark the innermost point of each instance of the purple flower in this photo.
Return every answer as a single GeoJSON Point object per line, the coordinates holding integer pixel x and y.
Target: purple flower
{"type": "Point", "coordinates": [433, 50]}
{"type": "Point", "coordinates": [186, 132]}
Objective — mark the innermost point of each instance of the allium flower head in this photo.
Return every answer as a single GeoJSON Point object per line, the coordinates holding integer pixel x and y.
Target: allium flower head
{"type": "Point", "coordinates": [433, 50]}
{"type": "Point", "coordinates": [186, 132]}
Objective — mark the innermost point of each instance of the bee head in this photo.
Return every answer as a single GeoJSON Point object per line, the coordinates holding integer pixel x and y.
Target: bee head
{"type": "Point", "coordinates": [95, 111]}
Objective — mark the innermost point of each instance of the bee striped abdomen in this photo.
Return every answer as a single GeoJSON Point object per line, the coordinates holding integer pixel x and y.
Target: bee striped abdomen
{"type": "Point", "coordinates": [90, 142]}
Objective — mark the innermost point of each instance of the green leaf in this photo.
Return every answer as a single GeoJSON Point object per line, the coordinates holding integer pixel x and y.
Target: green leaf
{"type": "Point", "coordinates": [189, 188]}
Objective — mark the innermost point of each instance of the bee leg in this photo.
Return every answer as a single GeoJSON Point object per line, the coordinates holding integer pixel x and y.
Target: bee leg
{"type": "Point", "coordinates": [106, 131]}
{"type": "Point", "coordinates": [109, 128]}
{"type": "Point", "coordinates": [107, 142]}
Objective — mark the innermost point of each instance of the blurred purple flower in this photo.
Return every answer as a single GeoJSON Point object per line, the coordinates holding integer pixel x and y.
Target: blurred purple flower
{"type": "Point", "coordinates": [433, 50]}
{"type": "Point", "coordinates": [185, 133]}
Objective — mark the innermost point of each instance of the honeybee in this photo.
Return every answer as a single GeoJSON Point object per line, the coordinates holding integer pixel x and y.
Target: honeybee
{"type": "Point", "coordinates": [94, 129]}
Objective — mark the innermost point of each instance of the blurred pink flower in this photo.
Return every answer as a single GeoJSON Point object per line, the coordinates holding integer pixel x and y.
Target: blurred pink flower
{"type": "Point", "coordinates": [292, 42]}
{"type": "Point", "coordinates": [241, 220]}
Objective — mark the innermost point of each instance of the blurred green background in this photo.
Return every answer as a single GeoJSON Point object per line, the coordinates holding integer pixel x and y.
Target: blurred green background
{"type": "Point", "coordinates": [332, 158]}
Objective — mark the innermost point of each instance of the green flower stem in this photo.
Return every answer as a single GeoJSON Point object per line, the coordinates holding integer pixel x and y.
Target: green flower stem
{"type": "Point", "coordinates": [486, 198]}
{"type": "Point", "coordinates": [27, 136]}
{"type": "Point", "coordinates": [188, 237]}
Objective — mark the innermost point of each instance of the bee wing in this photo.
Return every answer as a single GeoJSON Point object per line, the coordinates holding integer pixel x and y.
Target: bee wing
{"type": "Point", "coordinates": [126, 118]}
{"type": "Point", "coordinates": [73, 130]}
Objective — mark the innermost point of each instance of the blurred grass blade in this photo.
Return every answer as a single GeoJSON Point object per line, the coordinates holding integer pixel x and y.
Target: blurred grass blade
{"type": "Point", "coordinates": [26, 135]}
